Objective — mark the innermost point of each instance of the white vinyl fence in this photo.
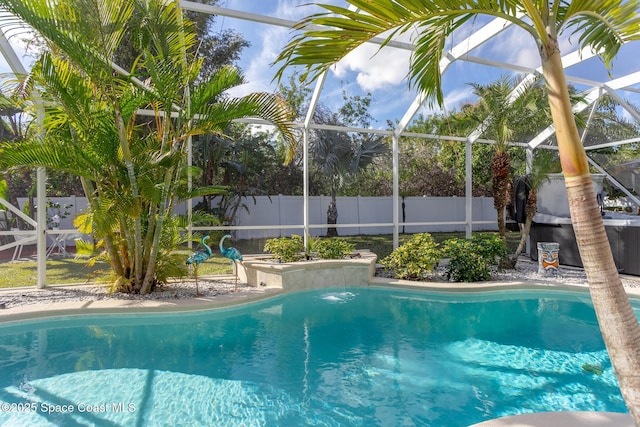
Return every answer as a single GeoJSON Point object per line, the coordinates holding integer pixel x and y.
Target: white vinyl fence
{"type": "Point", "coordinates": [444, 214]}
{"type": "Point", "coordinates": [421, 214]}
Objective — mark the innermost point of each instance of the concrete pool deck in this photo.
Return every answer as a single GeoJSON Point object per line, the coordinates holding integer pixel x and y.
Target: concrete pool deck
{"type": "Point", "coordinates": [562, 419]}
{"type": "Point", "coordinates": [247, 295]}
{"type": "Point", "coordinates": [109, 306]}
{"type": "Point", "coordinates": [244, 295]}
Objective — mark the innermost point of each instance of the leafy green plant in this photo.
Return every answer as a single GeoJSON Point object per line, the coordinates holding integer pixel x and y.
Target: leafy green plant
{"type": "Point", "coordinates": [286, 249]}
{"type": "Point", "coordinates": [291, 249]}
{"type": "Point", "coordinates": [4, 190]}
{"type": "Point", "coordinates": [335, 248]}
{"type": "Point", "coordinates": [470, 259]}
{"type": "Point", "coordinates": [466, 262]}
{"type": "Point", "coordinates": [490, 245]}
{"type": "Point", "coordinates": [86, 248]}
{"type": "Point", "coordinates": [415, 258]}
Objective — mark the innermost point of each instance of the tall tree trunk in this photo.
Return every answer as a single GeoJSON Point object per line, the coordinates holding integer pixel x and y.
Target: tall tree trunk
{"type": "Point", "coordinates": [137, 248]}
{"type": "Point", "coordinates": [500, 166]}
{"type": "Point", "coordinates": [616, 318]}
{"type": "Point", "coordinates": [332, 217]}
{"type": "Point", "coordinates": [530, 210]}
{"type": "Point", "coordinates": [156, 231]}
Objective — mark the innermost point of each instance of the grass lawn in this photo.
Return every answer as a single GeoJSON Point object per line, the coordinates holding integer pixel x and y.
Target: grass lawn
{"type": "Point", "coordinates": [72, 270]}
{"type": "Point", "coordinates": [75, 270]}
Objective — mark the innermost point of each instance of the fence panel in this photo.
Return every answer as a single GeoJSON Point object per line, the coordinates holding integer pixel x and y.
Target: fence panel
{"type": "Point", "coordinates": [281, 210]}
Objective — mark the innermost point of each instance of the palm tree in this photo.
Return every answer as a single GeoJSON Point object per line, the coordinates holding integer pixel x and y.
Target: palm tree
{"type": "Point", "coordinates": [602, 25]}
{"type": "Point", "coordinates": [132, 174]}
{"type": "Point", "coordinates": [340, 156]}
{"type": "Point", "coordinates": [502, 106]}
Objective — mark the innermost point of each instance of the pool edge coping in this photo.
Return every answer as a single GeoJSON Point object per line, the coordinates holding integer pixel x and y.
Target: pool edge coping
{"type": "Point", "coordinates": [562, 419]}
{"type": "Point", "coordinates": [251, 295]}
{"type": "Point", "coordinates": [126, 306]}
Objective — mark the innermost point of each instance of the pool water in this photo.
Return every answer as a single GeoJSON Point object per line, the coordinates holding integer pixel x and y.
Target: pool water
{"type": "Point", "coordinates": [331, 357]}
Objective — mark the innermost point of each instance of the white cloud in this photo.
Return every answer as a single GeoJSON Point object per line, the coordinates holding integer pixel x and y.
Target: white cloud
{"type": "Point", "coordinates": [513, 46]}
{"type": "Point", "coordinates": [375, 68]}
{"type": "Point", "coordinates": [294, 10]}
{"type": "Point", "coordinates": [458, 97]}
{"type": "Point", "coordinates": [266, 42]}
{"type": "Point", "coordinates": [391, 104]}
{"type": "Point", "coordinates": [516, 46]}
{"type": "Point", "coordinates": [528, 57]}
{"type": "Point", "coordinates": [382, 72]}
{"type": "Point", "coordinates": [452, 101]}
{"type": "Point", "coordinates": [258, 69]}
{"type": "Point", "coordinates": [372, 70]}
{"type": "Point", "coordinates": [261, 68]}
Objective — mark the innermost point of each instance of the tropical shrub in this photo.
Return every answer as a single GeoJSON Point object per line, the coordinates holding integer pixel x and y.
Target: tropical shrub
{"type": "Point", "coordinates": [291, 249]}
{"type": "Point", "coordinates": [415, 258]}
{"type": "Point", "coordinates": [335, 248]}
{"type": "Point", "coordinates": [466, 262]}
{"type": "Point", "coordinates": [470, 260]}
{"type": "Point", "coordinates": [286, 249]}
{"type": "Point", "coordinates": [490, 245]}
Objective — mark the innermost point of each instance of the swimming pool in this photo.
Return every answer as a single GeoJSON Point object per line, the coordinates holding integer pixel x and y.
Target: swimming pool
{"type": "Point", "coordinates": [330, 357]}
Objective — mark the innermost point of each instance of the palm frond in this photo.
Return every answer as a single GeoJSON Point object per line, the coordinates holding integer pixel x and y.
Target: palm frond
{"type": "Point", "coordinates": [208, 190]}
{"type": "Point", "coordinates": [367, 150]}
{"type": "Point", "coordinates": [101, 25]}
{"type": "Point", "coordinates": [272, 108]}
{"type": "Point", "coordinates": [604, 25]}
{"type": "Point", "coordinates": [212, 89]}
{"type": "Point", "coordinates": [61, 157]}
{"type": "Point", "coordinates": [164, 31]}
{"type": "Point", "coordinates": [168, 89]}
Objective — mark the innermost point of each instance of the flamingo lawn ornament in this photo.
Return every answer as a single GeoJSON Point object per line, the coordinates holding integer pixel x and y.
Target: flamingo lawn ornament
{"type": "Point", "coordinates": [233, 254]}
{"type": "Point", "coordinates": [197, 257]}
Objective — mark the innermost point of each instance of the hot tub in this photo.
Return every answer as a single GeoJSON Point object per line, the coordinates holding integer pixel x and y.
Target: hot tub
{"type": "Point", "coordinates": [623, 232]}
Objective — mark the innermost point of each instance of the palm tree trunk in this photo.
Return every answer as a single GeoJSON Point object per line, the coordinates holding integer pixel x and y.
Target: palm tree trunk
{"type": "Point", "coordinates": [149, 276]}
{"type": "Point", "coordinates": [137, 238]}
{"type": "Point", "coordinates": [332, 217]}
{"type": "Point", "coordinates": [616, 318]}
{"type": "Point", "coordinates": [500, 165]}
{"type": "Point", "coordinates": [530, 210]}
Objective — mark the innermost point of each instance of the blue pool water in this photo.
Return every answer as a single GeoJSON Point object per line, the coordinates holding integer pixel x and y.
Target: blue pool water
{"type": "Point", "coordinates": [336, 357]}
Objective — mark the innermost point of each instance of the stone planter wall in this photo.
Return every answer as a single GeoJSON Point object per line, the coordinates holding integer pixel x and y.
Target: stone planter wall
{"type": "Point", "coordinates": [294, 276]}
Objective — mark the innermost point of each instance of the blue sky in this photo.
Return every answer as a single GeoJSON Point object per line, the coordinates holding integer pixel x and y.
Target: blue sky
{"type": "Point", "coordinates": [383, 74]}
